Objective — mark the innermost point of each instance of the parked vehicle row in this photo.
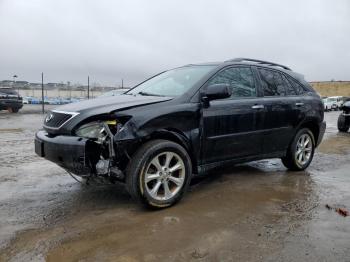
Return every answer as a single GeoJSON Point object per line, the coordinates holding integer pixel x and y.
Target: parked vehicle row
{"type": "Point", "coordinates": [333, 103]}
{"type": "Point", "coordinates": [10, 100]}
{"type": "Point", "coordinates": [182, 123]}
{"type": "Point", "coordinates": [50, 101]}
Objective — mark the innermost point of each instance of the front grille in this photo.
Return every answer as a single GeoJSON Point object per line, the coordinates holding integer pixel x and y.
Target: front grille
{"type": "Point", "coordinates": [56, 119]}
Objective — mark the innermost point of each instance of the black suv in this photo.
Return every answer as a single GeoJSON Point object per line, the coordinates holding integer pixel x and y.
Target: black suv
{"type": "Point", "coordinates": [10, 100]}
{"type": "Point", "coordinates": [184, 122]}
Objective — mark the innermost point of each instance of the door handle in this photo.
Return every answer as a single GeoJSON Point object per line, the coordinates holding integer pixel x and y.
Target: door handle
{"type": "Point", "coordinates": [299, 104]}
{"type": "Point", "coordinates": [258, 107]}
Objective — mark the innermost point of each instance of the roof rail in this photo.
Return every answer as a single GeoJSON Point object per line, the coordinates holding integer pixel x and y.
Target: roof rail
{"type": "Point", "coordinates": [241, 59]}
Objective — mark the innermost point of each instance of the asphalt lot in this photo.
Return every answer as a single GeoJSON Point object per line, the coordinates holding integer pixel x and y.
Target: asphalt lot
{"type": "Point", "coordinates": [252, 212]}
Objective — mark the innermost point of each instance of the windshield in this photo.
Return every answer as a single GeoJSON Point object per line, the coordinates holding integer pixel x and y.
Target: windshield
{"type": "Point", "coordinates": [332, 99]}
{"type": "Point", "coordinates": [172, 83]}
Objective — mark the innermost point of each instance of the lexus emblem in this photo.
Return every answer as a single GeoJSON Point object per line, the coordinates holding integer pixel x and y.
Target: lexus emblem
{"type": "Point", "coordinates": [48, 117]}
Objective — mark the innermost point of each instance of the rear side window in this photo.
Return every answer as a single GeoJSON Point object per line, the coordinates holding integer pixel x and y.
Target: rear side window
{"type": "Point", "coordinates": [299, 89]}
{"type": "Point", "coordinates": [240, 79]}
{"type": "Point", "coordinates": [272, 83]}
{"type": "Point", "coordinates": [289, 88]}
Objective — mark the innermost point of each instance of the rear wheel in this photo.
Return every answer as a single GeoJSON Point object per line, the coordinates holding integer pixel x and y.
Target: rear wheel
{"type": "Point", "coordinates": [301, 151]}
{"type": "Point", "coordinates": [12, 110]}
{"type": "Point", "coordinates": [343, 123]}
{"type": "Point", "coordinates": [159, 173]}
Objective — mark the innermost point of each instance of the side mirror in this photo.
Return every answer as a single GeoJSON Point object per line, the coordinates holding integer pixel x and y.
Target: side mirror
{"type": "Point", "coordinates": [218, 91]}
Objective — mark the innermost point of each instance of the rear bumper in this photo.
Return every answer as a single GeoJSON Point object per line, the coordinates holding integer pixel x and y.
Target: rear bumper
{"type": "Point", "coordinates": [68, 152]}
{"type": "Point", "coordinates": [321, 134]}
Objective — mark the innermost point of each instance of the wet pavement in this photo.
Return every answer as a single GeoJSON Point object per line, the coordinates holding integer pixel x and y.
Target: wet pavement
{"type": "Point", "coordinates": [252, 212]}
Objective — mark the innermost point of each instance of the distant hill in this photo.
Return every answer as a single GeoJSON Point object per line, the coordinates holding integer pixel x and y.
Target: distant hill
{"type": "Point", "coordinates": [332, 88]}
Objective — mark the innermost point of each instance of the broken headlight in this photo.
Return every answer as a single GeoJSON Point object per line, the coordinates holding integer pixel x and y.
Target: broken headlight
{"type": "Point", "coordinates": [97, 129]}
{"type": "Point", "coordinates": [92, 130]}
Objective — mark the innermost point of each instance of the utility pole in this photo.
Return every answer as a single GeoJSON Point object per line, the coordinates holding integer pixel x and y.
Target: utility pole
{"type": "Point", "coordinates": [88, 87]}
{"type": "Point", "coordinates": [122, 83]}
{"type": "Point", "coordinates": [42, 93]}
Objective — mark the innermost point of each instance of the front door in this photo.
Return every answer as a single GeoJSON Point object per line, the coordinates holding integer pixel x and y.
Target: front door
{"type": "Point", "coordinates": [231, 126]}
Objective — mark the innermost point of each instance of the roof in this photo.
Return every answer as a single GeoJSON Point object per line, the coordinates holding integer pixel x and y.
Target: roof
{"type": "Point", "coordinates": [249, 61]}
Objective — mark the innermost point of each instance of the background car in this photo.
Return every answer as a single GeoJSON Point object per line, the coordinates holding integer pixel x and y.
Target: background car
{"type": "Point", "coordinates": [335, 102]}
{"type": "Point", "coordinates": [10, 100]}
{"type": "Point", "coordinates": [327, 104]}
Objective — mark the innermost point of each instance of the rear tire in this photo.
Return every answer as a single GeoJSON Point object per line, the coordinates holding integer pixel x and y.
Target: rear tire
{"type": "Point", "coordinates": [159, 173]}
{"type": "Point", "coordinates": [301, 151]}
{"type": "Point", "coordinates": [343, 123]}
{"type": "Point", "coordinates": [12, 110]}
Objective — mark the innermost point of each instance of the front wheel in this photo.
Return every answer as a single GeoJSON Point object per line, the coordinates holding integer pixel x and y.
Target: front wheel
{"type": "Point", "coordinates": [343, 123]}
{"type": "Point", "coordinates": [301, 151]}
{"type": "Point", "coordinates": [159, 173]}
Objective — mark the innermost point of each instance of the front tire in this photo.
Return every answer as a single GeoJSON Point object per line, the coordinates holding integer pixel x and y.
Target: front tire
{"type": "Point", "coordinates": [159, 173]}
{"type": "Point", "coordinates": [301, 151]}
{"type": "Point", "coordinates": [343, 123]}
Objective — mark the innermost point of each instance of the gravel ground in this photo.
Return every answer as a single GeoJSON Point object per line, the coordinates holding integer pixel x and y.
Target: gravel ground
{"type": "Point", "coordinates": [252, 212]}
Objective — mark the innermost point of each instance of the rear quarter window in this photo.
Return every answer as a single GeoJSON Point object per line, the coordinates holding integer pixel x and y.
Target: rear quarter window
{"type": "Point", "coordinates": [272, 82]}
{"type": "Point", "coordinates": [299, 89]}
{"type": "Point", "coordinates": [289, 88]}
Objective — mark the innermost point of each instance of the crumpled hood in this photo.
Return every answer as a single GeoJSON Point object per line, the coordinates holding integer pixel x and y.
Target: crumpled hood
{"type": "Point", "coordinates": [112, 103]}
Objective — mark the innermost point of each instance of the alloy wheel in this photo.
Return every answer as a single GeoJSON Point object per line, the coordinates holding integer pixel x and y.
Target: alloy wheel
{"type": "Point", "coordinates": [165, 176]}
{"type": "Point", "coordinates": [303, 149]}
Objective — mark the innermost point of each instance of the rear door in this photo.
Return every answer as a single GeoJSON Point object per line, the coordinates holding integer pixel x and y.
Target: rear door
{"type": "Point", "coordinates": [280, 111]}
{"type": "Point", "coordinates": [231, 126]}
{"type": "Point", "coordinates": [301, 100]}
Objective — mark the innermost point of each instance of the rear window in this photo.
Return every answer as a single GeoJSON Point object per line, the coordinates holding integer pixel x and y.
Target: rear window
{"type": "Point", "coordinates": [8, 91]}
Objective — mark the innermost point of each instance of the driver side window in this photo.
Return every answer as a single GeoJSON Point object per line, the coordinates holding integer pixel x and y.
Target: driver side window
{"type": "Point", "coordinates": [240, 79]}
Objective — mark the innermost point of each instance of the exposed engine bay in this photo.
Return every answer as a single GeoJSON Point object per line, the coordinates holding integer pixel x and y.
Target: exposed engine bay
{"type": "Point", "coordinates": [100, 154]}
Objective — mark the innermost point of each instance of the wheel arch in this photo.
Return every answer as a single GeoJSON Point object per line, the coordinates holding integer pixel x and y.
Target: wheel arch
{"type": "Point", "coordinates": [175, 136]}
{"type": "Point", "coordinates": [314, 128]}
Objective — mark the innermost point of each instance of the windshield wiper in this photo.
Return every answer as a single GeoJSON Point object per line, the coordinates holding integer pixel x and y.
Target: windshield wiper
{"type": "Point", "coordinates": [147, 94]}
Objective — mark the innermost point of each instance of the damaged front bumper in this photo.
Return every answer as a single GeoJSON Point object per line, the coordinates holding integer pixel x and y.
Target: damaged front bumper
{"type": "Point", "coordinates": [70, 152]}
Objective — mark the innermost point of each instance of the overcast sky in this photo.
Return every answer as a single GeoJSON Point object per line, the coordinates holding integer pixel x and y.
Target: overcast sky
{"type": "Point", "coordinates": [111, 40]}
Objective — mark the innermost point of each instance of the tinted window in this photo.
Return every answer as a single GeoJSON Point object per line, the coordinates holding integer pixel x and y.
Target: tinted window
{"type": "Point", "coordinates": [272, 83]}
{"type": "Point", "coordinates": [298, 87]}
{"type": "Point", "coordinates": [8, 91]}
{"type": "Point", "coordinates": [240, 79]}
{"type": "Point", "coordinates": [289, 88]}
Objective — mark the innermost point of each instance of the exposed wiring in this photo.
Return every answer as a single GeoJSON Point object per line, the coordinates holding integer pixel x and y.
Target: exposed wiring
{"type": "Point", "coordinates": [76, 179]}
